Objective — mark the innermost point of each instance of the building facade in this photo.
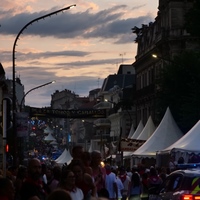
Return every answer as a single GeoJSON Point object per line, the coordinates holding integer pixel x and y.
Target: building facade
{"type": "Point", "coordinates": [165, 37]}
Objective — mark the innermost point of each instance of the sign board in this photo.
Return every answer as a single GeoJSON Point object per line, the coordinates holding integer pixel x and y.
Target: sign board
{"type": "Point", "coordinates": [22, 124]}
{"type": "Point", "coordinates": [130, 144]}
{"type": "Point", "coordinates": [79, 113]}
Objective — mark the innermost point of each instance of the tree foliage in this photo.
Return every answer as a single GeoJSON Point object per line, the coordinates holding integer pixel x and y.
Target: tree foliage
{"type": "Point", "coordinates": [180, 89]}
{"type": "Point", "coordinates": [192, 24]}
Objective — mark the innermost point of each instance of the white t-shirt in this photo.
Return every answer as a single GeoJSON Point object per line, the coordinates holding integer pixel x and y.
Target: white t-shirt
{"type": "Point", "coordinates": [110, 180]}
{"type": "Point", "coordinates": [77, 194]}
{"type": "Point", "coordinates": [120, 187]}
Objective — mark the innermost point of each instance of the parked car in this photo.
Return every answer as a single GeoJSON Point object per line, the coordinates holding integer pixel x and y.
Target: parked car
{"type": "Point", "coordinates": [182, 184]}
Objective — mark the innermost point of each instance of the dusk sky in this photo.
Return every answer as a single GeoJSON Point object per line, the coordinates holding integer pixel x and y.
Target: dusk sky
{"type": "Point", "coordinates": [78, 48]}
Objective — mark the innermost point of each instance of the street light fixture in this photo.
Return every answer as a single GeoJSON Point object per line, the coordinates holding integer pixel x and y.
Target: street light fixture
{"type": "Point", "coordinates": [13, 69]}
{"type": "Point", "coordinates": [165, 59]}
{"type": "Point", "coordinates": [35, 88]}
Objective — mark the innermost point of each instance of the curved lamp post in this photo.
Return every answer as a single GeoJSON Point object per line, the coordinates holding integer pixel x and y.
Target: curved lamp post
{"type": "Point", "coordinates": [15, 44]}
{"type": "Point", "coordinates": [13, 70]}
{"type": "Point", "coordinates": [35, 88]}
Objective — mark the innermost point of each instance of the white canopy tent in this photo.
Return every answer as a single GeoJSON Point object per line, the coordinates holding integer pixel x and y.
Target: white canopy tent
{"type": "Point", "coordinates": [65, 157]}
{"type": "Point", "coordinates": [186, 145]}
{"type": "Point", "coordinates": [166, 134]}
{"type": "Point", "coordinates": [48, 130]}
{"type": "Point", "coordinates": [147, 130]}
{"type": "Point", "coordinates": [138, 130]}
{"type": "Point", "coordinates": [131, 131]}
{"type": "Point", "coordinates": [140, 127]}
{"type": "Point", "coordinates": [49, 137]}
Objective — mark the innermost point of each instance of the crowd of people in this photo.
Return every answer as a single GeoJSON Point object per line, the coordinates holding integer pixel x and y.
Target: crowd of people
{"type": "Point", "coordinates": [84, 178]}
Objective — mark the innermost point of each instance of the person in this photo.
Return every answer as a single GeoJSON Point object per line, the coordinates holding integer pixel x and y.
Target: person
{"type": "Point", "coordinates": [86, 159]}
{"type": "Point", "coordinates": [135, 186]}
{"type": "Point", "coordinates": [120, 186]}
{"type": "Point", "coordinates": [111, 183]}
{"type": "Point", "coordinates": [20, 178]}
{"type": "Point", "coordinates": [126, 183]}
{"type": "Point", "coordinates": [56, 177]}
{"type": "Point", "coordinates": [172, 164]}
{"type": "Point", "coordinates": [193, 158]}
{"type": "Point", "coordinates": [33, 187]}
{"type": "Point", "coordinates": [144, 182]}
{"type": "Point", "coordinates": [59, 194]}
{"type": "Point", "coordinates": [83, 180]}
{"type": "Point", "coordinates": [77, 152]}
{"type": "Point", "coordinates": [181, 160]}
{"type": "Point", "coordinates": [7, 190]}
{"type": "Point", "coordinates": [153, 180]}
{"type": "Point", "coordinates": [99, 173]}
{"type": "Point", "coordinates": [67, 182]}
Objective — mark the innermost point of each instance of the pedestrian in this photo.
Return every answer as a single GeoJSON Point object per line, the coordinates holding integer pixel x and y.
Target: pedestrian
{"type": "Point", "coordinates": [33, 187]}
{"type": "Point", "coordinates": [86, 159]}
{"type": "Point", "coordinates": [120, 186]}
{"type": "Point", "coordinates": [126, 183]}
{"type": "Point", "coordinates": [154, 180]}
{"type": "Point", "coordinates": [135, 186]}
{"type": "Point", "coordinates": [111, 183]}
{"type": "Point", "coordinates": [83, 180]}
{"type": "Point", "coordinates": [77, 152]}
{"type": "Point", "coordinates": [20, 178]}
{"type": "Point", "coordinates": [67, 182]}
{"type": "Point", "coordinates": [56, 178]}
{"type": "Point", "coordinates": [7, 190]}
{"type": "Point", "coordinates": [99, 172]}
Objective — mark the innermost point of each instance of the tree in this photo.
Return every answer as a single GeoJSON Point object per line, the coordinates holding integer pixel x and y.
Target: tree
{"type": "Point", "coordinates": [192, 24]}
{"type": "Point", "coordinates": [180, 89]}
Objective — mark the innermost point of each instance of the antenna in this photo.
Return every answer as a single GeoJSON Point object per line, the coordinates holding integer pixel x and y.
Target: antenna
{"type": "Point", "coordinates": [122, 55]}
{"type": "Point", "coordinates": [98, 82]}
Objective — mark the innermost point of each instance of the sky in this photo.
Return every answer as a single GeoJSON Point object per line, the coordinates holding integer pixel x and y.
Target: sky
{"type": "Point", "coordinates": [78, 48]}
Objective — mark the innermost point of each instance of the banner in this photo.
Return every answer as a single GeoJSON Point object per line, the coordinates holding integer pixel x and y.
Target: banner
{"type": "Point", "coordinates": [79, 113]}
{"type": "Point", "coordinates": [130, 144]}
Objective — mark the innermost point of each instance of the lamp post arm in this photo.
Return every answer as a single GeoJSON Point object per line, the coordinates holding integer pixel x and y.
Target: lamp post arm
{"type": "Point", "coordinates": [16, 39]}
{"type": "Point", "coordinates": [35, 88]}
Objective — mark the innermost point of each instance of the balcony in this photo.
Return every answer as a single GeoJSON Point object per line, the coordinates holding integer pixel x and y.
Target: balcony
{"type": "Point", "coordinates": [102, 123]}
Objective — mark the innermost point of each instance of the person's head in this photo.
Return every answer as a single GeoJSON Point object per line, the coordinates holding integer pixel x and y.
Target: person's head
{"type": "Point", "coordinates": [135, 179]}
{"type": "Point", "coordinates": [122, 170]}
{"type": "Point", "coordinates": [67, 178]}
{"type": "Point", "coordinates": [108, 168]}
{"type": "Point", "coordinates": [49, 173]}
{"type": "Point", "coordinates": [77, 152]}
{"type": "Point", "coordinates": [6, 189]}
{"type": "Point", "coordinates": [22, 172]}
{"type": "Point", "coordinates": [60, 194]}
{"type": "Point", "coordinates": [153, 171]}
{"type": "Point", "coordinates": [57, 172]}
{"type": "Point", "coordinates": [34, 169]}
{"type": "Point", "coordinates": [86, 158]}
{"type": "Point", "coordinates": [78, 169]}
{"type": "Point", "coordinates": [96, 158]}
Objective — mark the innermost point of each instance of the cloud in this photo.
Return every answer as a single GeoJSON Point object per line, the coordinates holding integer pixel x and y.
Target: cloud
{"type": "Point", "coordinates": [107, 24]}
{"type": "Point", "coordinates": [78, 48]}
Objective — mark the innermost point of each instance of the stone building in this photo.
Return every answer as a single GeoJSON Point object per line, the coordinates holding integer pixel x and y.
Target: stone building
{"type": "Point", "coordinates": [166, 37]}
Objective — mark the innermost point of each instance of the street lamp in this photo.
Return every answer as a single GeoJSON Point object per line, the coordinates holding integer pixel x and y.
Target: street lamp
{"type": "Point", "coordinates": [32, 90]}
{"type": "Point", "coordinates": [15, 44]}
{"type": "Point", "coordinates": [13, 68]}
{"type": "Point", "coordinates": [165, 59]}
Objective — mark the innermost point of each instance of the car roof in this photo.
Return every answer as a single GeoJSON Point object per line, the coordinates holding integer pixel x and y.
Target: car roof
{"type": "Point", "coordinates": [188, 172]}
